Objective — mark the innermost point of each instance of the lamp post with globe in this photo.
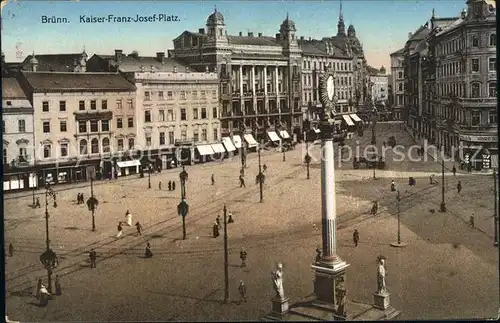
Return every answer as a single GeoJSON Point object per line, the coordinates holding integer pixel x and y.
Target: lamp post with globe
{"type": "Point", "coordinates": [49, 258]}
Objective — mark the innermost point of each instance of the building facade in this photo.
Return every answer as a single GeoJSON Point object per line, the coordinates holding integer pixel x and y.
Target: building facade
{"type": "Point", "coordinates": [397, 84]}
{"type": "Point", "coordinates": [78, 119]}
{"type": "Point", "coordinates": [259, 75]}
{"type": "Point", "coordinates": [379, 82]}
{"type": "Point", "coordinates": [18, 137]}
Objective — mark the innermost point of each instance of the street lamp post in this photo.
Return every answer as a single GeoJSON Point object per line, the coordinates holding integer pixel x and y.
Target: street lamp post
{"type": "Point", "coordinates": [443, 204]}
{"type": "Point", "coordinates": [49, 257]}
{"type": "Point", "coordinates": [260, 177]}
{"type": "Point", "coordinates": [226, 260]}
{"type": "Point", "coordinates": [183, 176]}
{"type": "Point", "coordinates": [374, 138]}
{"type": "Point", "coordinates": [183, 207]}
{"type": "Point", "coordinates": [283, 150]}
{"type": "Point", "coordinates": [495, 212]}
{"type": "Point", "coordinates": [92, 207]}
{"type": "Point", "coordinates": [149, 176]}
{"type": "Point", "coordinates": [398, 243]}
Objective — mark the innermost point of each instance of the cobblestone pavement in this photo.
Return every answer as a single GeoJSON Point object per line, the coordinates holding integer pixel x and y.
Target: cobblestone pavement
{"type": "Point", "coordinates": [184, 279]}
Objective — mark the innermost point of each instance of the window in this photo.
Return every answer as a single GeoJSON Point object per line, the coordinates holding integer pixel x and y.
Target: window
{"type": "Point", "coordinates": [120, 144]}
{"type": "Point", "coordinates": [131, 143]}
{"type": "Point", "coordinates": [170, 115]}
{"type": "Point", "coordinates": [195, 114]}
{"type": "Point", "coordinates": [204, 134]}
{"type": "Point", "coordinates": [400, 87]}
{"type": "Point", "coordinates": [119, 104]}
{"type": "Point", "coordinates": [214, 113]}
{"type": "Point", "coordinates": [183, 134]}
{"type": "Point", "coordinates": [147, 96]}
{"type": "Point", "coordinates": [94, 146]}
{"type": "Point", "coordinates": [171, 138]}
{"type": "Point", "coordinates": [183, 115]}
{"type": "Point", "coordinates": [130, 122]}
{"type": "Point", "coordinates": [62, 106]}
{"type": "Point", "coordinates": [148, 141]}
{"type": "Point", "coordinates": [130, 103]}
{"type": "Point", "coordinates": [93, 105]}
{"type": "Point", "coordinates": [493, 40]}
{"type": "Point", "coordinates": [214, 94]}
{"type": "Point", "coordinates": [63, 127]}
{"type": "Point", "coordinates": [161, 115]}
{"type": "Point", "coordinates": [23, 152]}
{"type": "Point", "coordinates": [476, 118]}
{"type": "Point", "coordinates": [47, 149]}
{"type": "Point", "coordinates": [492, 118]}
{"type": "Point", "coordinates": [46, 126]}
{"type": "Point", "coordinates": [475, 65]}
{"type": "Point", "coordinates": [105, 145]}
{"type": "Point", "coordinates": [203, 93]}
{"type": "Point", "coordinates": [45, 106]}
{"type": "Point", "coordinates": [104, 125]}
{"type": "Point", "coordinates": [216, 134]}
{"type": "Point", "coordinates": [83, 147]}
{"type": "Point", "coordinates": [183, 95]}
{"type": "Point", "coordinates": [162, 138]}
{"type": "Point", "coordinates": [82, 126]}
{"type": "Point", "coordinates": [104, 104]}
{"type": "Point", "coordinates": [81, 105]}
{"type": "Point", "coordinates": [475, 90]}
{"type": "Point", "coordinates": [169, 95]}
{"type": "Point", "coordinates": [21, 125]}
{"type": "Point", "coordinates": [94, 126]}
{"type": "Point", "coordinates": [64, 149]}
{"type": "Point", "coordinates": [160, 95]}
{"type": "Point", "coordinates": [195, 94]}
{"type": "Point", "coordinates": [119, 123]}
{"type": "Point", "coordinates": [196, 135]}
{"type": "Point", "coordinates": [203, 113]}
{"type": "Point", "coordinates": [5, 159]}
{"type": "Point", "coordinates": [492, 64]}
{"type": "Point", "coordinates": [147, 116]}
{"type": "Point", "coordinates": [492, 90]}
{"type": "Point", "coordinates": [475, 41]}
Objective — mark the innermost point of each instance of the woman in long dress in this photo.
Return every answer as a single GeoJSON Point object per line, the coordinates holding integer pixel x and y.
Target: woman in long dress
{"type": "Point", "coordinates": [128, 218]}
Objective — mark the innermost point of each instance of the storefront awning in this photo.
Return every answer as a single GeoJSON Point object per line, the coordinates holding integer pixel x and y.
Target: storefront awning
{"type": "Point", "coordinates": [316, 130]}
{"type": "Point", "coordinates": [355, 117]}
{"type": "Point", "coordinates": [284, 134]}
{"type": "Point", "coordinates": [228, 144]}
{"type": "Point", "coordinates": [205, 150]}
{"type": "Point", "coordinates": [251, 140]}
{"type": "Point", "coordinates": [273, 136]}
{"type": "Point", "coordinates": [128, 163]}
{"type": "Point", "coordinates": [348, 120]}
{"type": "Point", "coordinates": [218, 148]}
{"type": "Point", "coordinates": [237, 141]}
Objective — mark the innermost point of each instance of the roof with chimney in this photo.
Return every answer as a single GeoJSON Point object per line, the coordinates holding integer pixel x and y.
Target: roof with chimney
{"type": "Point", "coordinates": [135, 63]}
{"type": "Point", "coordinates": [319, 47]}
{"type": "Point", "coordinates": [58, 81]}
{"type": "Point", "coordinates": [11, 89]}
{"type": "Point", "coordinates": [53, 62]}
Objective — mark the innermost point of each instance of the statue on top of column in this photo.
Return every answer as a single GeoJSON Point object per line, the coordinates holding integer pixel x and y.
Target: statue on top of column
{"type": "Point", "coordinates": [381, 274]}
{"type": "Point", "coordinates": [277, 277]}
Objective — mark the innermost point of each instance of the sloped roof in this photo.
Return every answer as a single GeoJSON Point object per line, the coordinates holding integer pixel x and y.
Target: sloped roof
{"type": "Point", "coordinates": [450, 26]}
{"type": "Point", "coordinates": [46, 81]}
{"type": "Point", "coordinates": [256, 41]}
{"type": "Point", "coordinates": [398, 52]}
{"type": "Point", "coordinates": [130, 63]}
{"type": "Point", "coordinates": [53, 62]}
{"type": "Point", "coordinates": [11, 89]}
{"type": "Point", "coordinates": [421, 33]}
{"type": "Point", "coordinates": [309, 47]}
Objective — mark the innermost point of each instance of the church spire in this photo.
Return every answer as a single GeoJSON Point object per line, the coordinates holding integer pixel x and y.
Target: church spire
{"type": "Point", "coordinates": [341, 16]}
{"type": "Point", "coordinates": [340, 25]}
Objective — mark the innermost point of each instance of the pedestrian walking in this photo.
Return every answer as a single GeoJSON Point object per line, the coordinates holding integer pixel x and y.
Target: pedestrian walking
{"type": "Point", "coordinates": [215, 230]}
{"type": "Point", "coordinates": [264, 168]}
{"type": "Point", "coordinates": [355, 237]}
{"type": "Point", "coordinates": [44, 296]}
{"type": "Point", "coordinates": [138, 226]}
{"type": "Point", "coordinates": [128, 218]}
{"type": "Point", "coordinates": [374, 209]}
{"type": "Point", "coordinates": [471, 220]}
{"type": "Point", "coordinates": [213, 179]}
{"type": "Point", "coordinates": [469, 167]}
{"type": "Point", "coordinates": [454, 170]}
{"type": "Point", "coordinates": [37, 203]}
{"type": "Point", "coordinates": [217, 220]}
{"type": "Point", "coordinates": [242, 181]}
{"type": "Point", "coordinates": [230, 219]}
{"type": "Point", "coordinates": [11, 250]}
{"type": "Point", "coordinates": [148, 253]}
{"type": "Point", "coordinates": [93, 258]}
{"type": "Point", "coordinates": [173, 185]}
{"type": "Point", "coordinates": [459, 187]}
{"type": "Point", "coordinates": [243, 257]}
{"type": "Point", "coordinates": [38, 288]}
{"type": "Point", "coordinates": [393, 186]}
{"type": "Point", "coordinates": [120, 230]}
{"type": "Point", "coordinates": [169, 185]}
{"type": "Point", "coordinates": [431, 179]}
{"type": "Point", "coordinates": [159, 185]}
{"type": "Point", "coordinates": [243, 291]}
{"type": "Point", "coordinates": [57, 285]}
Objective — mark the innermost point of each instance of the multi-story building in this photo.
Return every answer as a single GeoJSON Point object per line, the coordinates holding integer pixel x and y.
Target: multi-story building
{"type": "Point", "coordinates": [78, 123]}
{"type": "Point", "coordinates": [174, 104]}
{"type": "Point", "coordinates": [397, 83]}
{"type": "Point", "coordinates": [18, 137]}
{"type": "Point", "coordinates": [259, 75]}
{"type": "Point", "coordinates": [74, 62]}
{"type": "Point", "coordinates": [379, 82]}
{"type": "Point", "coordinates": [343, 54]}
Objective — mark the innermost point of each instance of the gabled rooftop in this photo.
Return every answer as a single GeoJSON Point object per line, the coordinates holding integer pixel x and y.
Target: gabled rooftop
{"type": "Point", "coordinates": [47, 81]}
{"type": "Point", "coordinates": [53, 62]}
{"type": "Point", "coordinates": [11, 89]}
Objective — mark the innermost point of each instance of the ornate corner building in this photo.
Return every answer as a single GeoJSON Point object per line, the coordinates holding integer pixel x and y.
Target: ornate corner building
{"type": "Point", "coordinates": [450, 74]}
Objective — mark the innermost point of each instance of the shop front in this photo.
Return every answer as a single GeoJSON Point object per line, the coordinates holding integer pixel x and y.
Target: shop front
{"type": "Point", "coordinates": [252, 144]}
{"type": "Point", "coordinates": [219, 151]}
{"type": "Point", "coordinates": [128, 167]}
{"type": "Point", "coordinates": [237, 143]}
{"type": "Point", "coordinates": [228, 144]}
{"type": "Point", "coordinates": [19, 181]}
{"type": "Point", "coordinates": [481, 152]}
{"type": "Point", "coordinates": [203, 153]}
{"type": "Point", "coordinates": [274, 138]}
{"type": "Point", "coordinates": [350, 126]}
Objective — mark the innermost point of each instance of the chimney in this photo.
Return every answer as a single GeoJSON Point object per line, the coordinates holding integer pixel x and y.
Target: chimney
{"type": "Point", "coordinates": [175, 69]}
{"type": "Point", "coordinates": [118, 55]}
{"type": "Point", "coordinates": [201, 31]}
{"type": "Point", "coordinates": [160, 57]}
{"type": "Point", "coordinates": [278, 37]}
{"type": "Point", "coordinates": [241, 34]}
{"type": "Point", "coordinates": [260, 34]}
{"type": "Point", "coordinates": [250, 34]}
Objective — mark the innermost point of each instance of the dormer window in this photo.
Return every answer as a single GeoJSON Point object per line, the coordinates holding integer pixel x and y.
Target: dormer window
{"type": "Point", "coordinates": [491, 8]}
{"type": "Point", "coordinates": [477, 9]}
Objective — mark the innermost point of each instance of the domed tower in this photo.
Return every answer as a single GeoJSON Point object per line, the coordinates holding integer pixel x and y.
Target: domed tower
{"type": "Point", "coordinates": [382, 70]}
{"type": "Point", "coordinates": [216, 29]}
{"type": "Point", "coordinates": [351, 32]}
{"type": "Point", "coordinates": [287, 32]}
{"type": "Point", "coordinates": [341, 25]}
{"type": "Point", "coordinates": [33, 63]}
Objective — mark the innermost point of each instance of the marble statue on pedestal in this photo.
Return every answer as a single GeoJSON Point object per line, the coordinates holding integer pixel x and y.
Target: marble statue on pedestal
{"type": "Point", "coordinates": [381, 274]}
{"type": "Point", "coordinates": [277, 277]}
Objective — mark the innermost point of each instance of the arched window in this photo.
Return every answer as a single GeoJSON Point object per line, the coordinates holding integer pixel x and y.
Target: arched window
{"type": "Point", "coordinates": [493, 40]}
{"type": "Point", "coordinates": [492, 89]}
{"type": "Point", "coordinates": [105, 145]}
{"type": "Point", "coordinates": [83, 147]}
{"type": "Point", "coordinates": [475, 90]}
{"type": "Point", "coordinates": [94, 146]}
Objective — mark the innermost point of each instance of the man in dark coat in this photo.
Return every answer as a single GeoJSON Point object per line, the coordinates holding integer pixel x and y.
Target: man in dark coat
{"type": "Point", "coordinates": [454, 170]}
{"type": "Point", "coordinates": [173, 185]}
{"type": "Point", "coordinates": [459, 187]}
{"type": "Point", "coordinates": [93, 258]}
{"type": "Point", "coordinates": [355, 237]}
{"type": "Point", "coordinates": [242, 181]}
{"type": "Point", "coordinates": [169, 185]}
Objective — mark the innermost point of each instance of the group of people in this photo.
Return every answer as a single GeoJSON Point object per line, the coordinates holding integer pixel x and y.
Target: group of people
{"type": "Point", "coordinates": [217, 224]}
{"type": "Point", "coordinates": [128, 222]}
{"type": "Point", "coordinates": [43, 294]}
{"type": "Point", "coordinates": [171, 185]}
{"type": "Point", "coordinates": [79, 198]}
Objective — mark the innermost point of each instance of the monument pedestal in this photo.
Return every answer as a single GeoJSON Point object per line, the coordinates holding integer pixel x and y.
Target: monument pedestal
{"type": "Point", "coordinates": [381, 301]}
